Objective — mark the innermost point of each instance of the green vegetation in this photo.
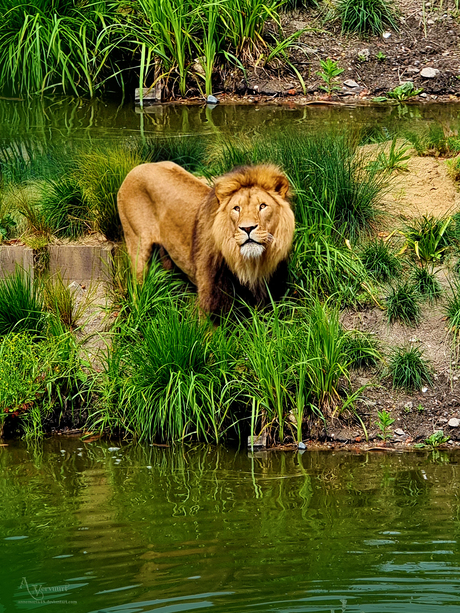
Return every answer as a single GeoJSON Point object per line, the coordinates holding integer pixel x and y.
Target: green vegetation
{"type": "Point", "coordinates": [428, 238]}
{"type": "Point", "coordinates": [395, 160]}
{"type": "Point", "coordinates": [404, 92]}
{"type": "Point", "coordinates": [380, 261]}
{"type": "Point", "coordinates": [166, 374]}
{"type": "Point", "coordinates": [409, 369]}
{"type": "Point", "coordinates": [367, 16]}
{"type": "Point", "coordinates": [426, 283]}
{"type": "Point", "coordinates": [434, 441]}
{"type": "Point", "coordinates": [49, 46]}
{"type": "Point", "coordinates": [403, 304]}
{"type": "Point", "coordinates": [329, 73]}
{"type": "Point", "coordinates": [384, 423]}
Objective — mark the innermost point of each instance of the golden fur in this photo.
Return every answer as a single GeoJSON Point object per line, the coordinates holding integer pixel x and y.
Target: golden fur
{"type": "Point", "coordinates": [231, 239]}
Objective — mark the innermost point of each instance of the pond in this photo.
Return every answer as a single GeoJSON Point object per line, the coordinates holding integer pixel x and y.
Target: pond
{"type": "Point", "coordinates": [79, 119]}
{"type": "Point", "coordinates": [89, 527]}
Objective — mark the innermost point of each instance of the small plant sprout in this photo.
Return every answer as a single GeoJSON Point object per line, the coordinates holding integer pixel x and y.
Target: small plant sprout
{"type": "Point", "coordinates": [420, 408]}
{"type": "Point", "coordinates": [329, 73]}
{"type": "Point", "coordinates": [384, 423]}
{"type": "Point", "coordinates": [404, 92]}
{"type": "Point", "coordinates": [395, 159]}
{"type": "Point", "coordinates": [434, 441]}
{"type": "Point", "coordinates": [380, 57]}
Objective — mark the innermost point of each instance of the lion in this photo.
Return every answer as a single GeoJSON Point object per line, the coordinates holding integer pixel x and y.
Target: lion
{"type": "Point", "coordinates": [231, 240]}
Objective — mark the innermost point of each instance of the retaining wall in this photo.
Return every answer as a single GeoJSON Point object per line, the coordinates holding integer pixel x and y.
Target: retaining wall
{"type": "Point", "coordinates": [80, 263]}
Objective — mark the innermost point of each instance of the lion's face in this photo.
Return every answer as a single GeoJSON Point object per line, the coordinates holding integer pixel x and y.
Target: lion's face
{"type": "Point", "coordinates": [253, 214]}
{"type": "Point", "coordinates": [254, 224]}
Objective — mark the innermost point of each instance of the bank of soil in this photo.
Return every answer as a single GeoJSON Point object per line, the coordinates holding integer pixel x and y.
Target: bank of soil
{"type": "Point", "coordinates": [428, 37]}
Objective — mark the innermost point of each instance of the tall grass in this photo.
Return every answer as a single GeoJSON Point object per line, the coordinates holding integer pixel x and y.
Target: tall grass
{"type": "Point", "coordinates": [179, 382]}
{"type": "Point", "coordinates": [21, 305]}
{"type": "Point", "coordinates": [50, 46]}
{"type": "Point", "coordinates": [367, 16]}
{"type": "Point", "coordinates": [99, 174]}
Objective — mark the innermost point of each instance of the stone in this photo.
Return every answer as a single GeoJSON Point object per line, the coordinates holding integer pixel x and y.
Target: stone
{"type": "Point", "coordinates": [81, 263]}
{"type": "Point", "coordinates": [16, 256]}
{"type": "Point", "coordinates": [400, 432]}
{"type": "Point", "coordinates": [424, 390]}
{"type": "Point", "coordinates": [302, 445]}
{"type": "Point", "coordinates": [351, 83]}
{"type": "Point", "coordinates": [386, 35]}
{"type": "Point", "coordinates": [423, 95]}
{"type": "Point", "coordinates": [258, 441]}
{"type": "Point", "coordinates": [454, 422]}
{"type": "Point", "coordinates": [150, 95]}
{"type": "Point", "coordinates": [412, 70]}
{"type": "Point", "coordinates": [212, 100]}
{"type": "Point", "coordinates": [409, 405]}
{"type": "Point", "coordinates": [429, 73]}
{"type": "Point", "coordinates": [198, 65]}
{"type": "Point", "coordinates": [430, 22]}
{"type": "Point", "coordinates": [364, 54]}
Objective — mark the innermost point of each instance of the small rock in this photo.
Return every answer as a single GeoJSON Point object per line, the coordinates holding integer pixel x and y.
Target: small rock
{"type": "Point", "coordinates": [199, 64]}
{"type": "Point", "coordinates": [364, 55]}
{"type": "Point", "coordinates": [386, 35]}
{"type": "Point", "coordinates": [454, 422]}
{"type": "Point", "coordinates": [302, 445]}
{"type": "Point", "coordinates": [409, 405]}
{"type": "Point", "coordinates": [212, 100]}
{"type": "Point", "coordinates": [430, 22]}
{"type": "Point", "coordinates": [429, 73]}
{"type": "Point", "coordinates": [399, 432]}
{"type": "Point", "coordinates": [442, 420]}
{"type": "Point", "coordinates": [423, 95]}
{"type": "Point", "coordinates": [424, 389]}
{"type": "Point", "coordinates": [350, 83]}
{"type": "Point", "coordinates": [412, 70]}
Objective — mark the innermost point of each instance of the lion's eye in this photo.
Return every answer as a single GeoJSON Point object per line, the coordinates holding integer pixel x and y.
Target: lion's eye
{"type": "Point", "coordinates": [262, 206]}
{"type": "Point", "coordinates": [236, 208]}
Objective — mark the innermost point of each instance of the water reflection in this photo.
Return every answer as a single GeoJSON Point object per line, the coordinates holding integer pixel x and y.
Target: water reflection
{"type": "Point", "coordinates": [104, 527]}
{"type": "Point", "coordinates": [60, 118]}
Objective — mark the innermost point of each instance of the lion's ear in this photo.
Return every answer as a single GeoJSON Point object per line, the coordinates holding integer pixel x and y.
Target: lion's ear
{"type": "Point", "coordinates": [282, 186]}
{"type": "Point", "coordinates": [225, 187]}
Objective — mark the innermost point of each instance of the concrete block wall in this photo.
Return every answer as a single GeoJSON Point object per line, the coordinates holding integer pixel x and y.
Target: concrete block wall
{"type": "Point", "coordinates": [80, 263]}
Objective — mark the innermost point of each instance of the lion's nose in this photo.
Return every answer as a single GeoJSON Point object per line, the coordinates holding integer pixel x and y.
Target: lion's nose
{"type": "Point", "coordinates": [248, 229]}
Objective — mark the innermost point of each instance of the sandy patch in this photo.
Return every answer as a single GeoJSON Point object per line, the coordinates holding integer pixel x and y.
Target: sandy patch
{"type": "Point", "coordinates": [425, 189]}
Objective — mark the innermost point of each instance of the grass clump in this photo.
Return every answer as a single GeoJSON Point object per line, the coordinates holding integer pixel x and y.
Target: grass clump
{"type": "Point", "coordinates": [367, 16]}
{"type": "Point", "coordinates": [403, 304]}
{"type": "Point", "coordinates": [452, 308]}
{"type": "Point", "coordinates": [363, 350]}
{"type": "Point", "coordinates": [21, 305]}
{"type": "Point", "coordinates": [409, 369]}
{"type": "Point", "coordinates": [380, 261]}
{"type": "Point", "coordinates": [428, 238]}
{"type": "Point", "coordinates": [426, 283]}
{"type": "Point", "coordinates": [99, 175]}
{"type": "Point", "coordinates": [65, 209]}
{"type": "Point", "coordinates": [170, 381]}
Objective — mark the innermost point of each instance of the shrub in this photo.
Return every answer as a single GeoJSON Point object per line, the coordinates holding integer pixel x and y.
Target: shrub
{"type": "Point", "coordinates": [41, 382]}
{"type": "Point", "coordinates": [367, 16]}
{"type": "Point", "coordinates": [409, 369]}
{"type": "Point", "coordinates": [452, 308]}
{"type": "Point", "coordinates": [21, 305]}
{"type": "Point", "coordinates": [380, 261]}
{"type": "Point", "coordinates": [403, 304]}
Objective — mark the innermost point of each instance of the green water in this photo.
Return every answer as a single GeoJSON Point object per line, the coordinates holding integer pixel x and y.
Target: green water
{"type": "Point", "coordinates": [79, 119]}
{"type": "Point", "coordinates": [86, 528]}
